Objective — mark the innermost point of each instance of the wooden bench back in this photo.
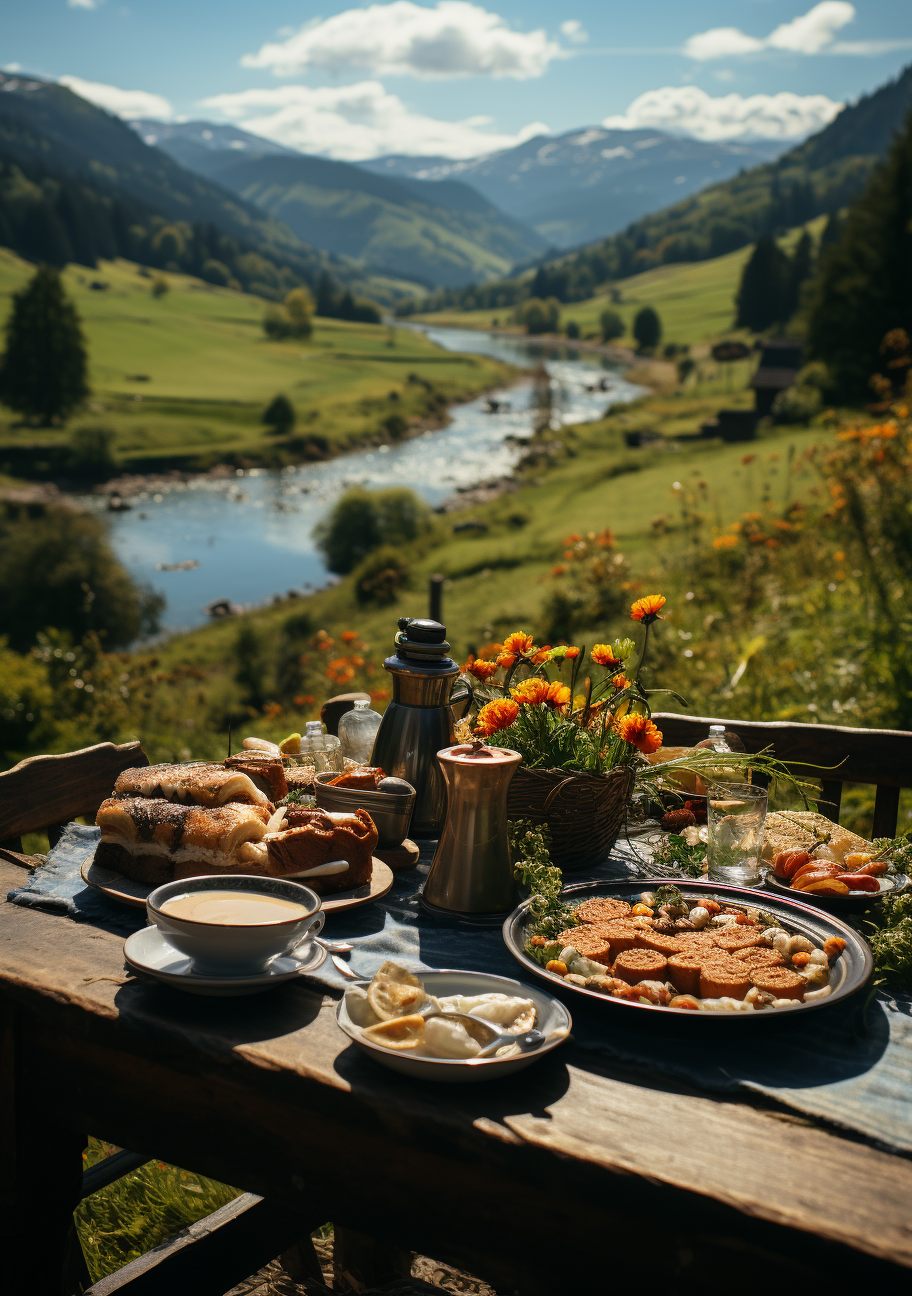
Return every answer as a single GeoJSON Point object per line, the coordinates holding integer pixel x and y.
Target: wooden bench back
{"type": "Point", "coordinates": [44, 790]}
{"type": "Point", "coordinates": [879, 756]}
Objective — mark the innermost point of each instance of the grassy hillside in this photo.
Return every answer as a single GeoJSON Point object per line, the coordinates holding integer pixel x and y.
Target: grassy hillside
{"type": "Point", "coordinates": [183, 378]}
{"type": "Point", "coordinates": [695, 301]}
{"type": "Point", "coordinates": [440, 234]}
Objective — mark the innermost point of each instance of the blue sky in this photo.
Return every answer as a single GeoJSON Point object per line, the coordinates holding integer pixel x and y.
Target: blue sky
{"type": "Point", "coordinates": [459, 77]}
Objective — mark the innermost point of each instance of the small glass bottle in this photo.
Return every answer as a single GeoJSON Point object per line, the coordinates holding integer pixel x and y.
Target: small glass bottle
{"type": "Point", "coordinates": [323, 747]}
{"type": "Point", "coordinates": [717, 740]}
{"type": "Point", "coordinates": [357, 731]}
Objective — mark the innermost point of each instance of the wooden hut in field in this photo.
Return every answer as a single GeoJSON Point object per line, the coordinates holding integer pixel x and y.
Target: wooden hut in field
{"type": "Point", "coordinates": [780, 360]}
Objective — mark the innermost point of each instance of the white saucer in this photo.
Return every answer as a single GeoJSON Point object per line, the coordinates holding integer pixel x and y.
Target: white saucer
{"type": "Point", "coordinates": [148, 951]}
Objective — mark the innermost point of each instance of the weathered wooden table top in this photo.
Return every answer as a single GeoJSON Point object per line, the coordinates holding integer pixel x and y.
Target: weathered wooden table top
{"type": "Point", "coordinates": [266, 1093]}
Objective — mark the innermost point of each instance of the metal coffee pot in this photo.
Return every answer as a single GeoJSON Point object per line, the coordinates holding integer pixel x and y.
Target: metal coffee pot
{"type": "Point", "coordinates": [471, 874]}
{"type": "Point", "coordinates": [418, 722]}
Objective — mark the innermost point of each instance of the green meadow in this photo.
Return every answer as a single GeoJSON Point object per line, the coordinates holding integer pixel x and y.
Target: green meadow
{"type": "Point", "coordinates": [183, 379]}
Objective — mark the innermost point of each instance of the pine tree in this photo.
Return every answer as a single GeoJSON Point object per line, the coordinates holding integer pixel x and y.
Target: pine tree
{"type": "Point", "coordinates": [864, 289]}
{"type": "Point", "coordinates": [763, 296]}
{"type": "Point", "coordinates": [43, 371]}
{"type": "Point", "coordinates": [279, 416]}
{"type": "Point", "coordinates": [799, 270]}
{"type": "Point", "coordinates": [647, 329]}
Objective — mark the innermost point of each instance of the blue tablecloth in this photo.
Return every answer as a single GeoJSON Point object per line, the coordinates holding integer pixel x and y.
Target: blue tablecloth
{"type": "Point", "coordinates": [850, 1065]}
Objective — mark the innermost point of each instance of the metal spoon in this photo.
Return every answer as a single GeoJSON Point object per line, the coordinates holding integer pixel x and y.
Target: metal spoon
{"type": "Point", "coordinates": [334, 947]}
{"type": "Point", "coordinates": [488, 1036]}
{"type": "Point", "coordinates": [345, 969]}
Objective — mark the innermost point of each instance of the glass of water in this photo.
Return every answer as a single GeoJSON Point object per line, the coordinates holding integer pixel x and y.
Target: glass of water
{"type": "Point", "coordinates": [736, 814]}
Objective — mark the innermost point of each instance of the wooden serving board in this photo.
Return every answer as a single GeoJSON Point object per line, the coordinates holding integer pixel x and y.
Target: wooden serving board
{"type": "Point", "coordinates": [126, 891]}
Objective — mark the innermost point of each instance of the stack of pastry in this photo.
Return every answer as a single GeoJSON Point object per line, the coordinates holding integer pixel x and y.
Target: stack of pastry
{"type": "Point", "coordinates": [166, 822]}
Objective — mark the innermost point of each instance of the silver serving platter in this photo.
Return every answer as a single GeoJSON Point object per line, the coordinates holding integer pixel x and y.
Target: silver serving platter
{"type": "Point", "coordinates": [850, 973]}
{"type": "Point", "coordinates": [890, 884]}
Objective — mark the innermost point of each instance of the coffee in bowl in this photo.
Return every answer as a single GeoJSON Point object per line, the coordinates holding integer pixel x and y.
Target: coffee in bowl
{"type": "Point", "coordinates": [234, 925]}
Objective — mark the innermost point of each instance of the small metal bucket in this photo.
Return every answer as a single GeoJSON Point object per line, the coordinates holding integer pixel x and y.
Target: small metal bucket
{"type": "Point", "coordinates": [390, 811]}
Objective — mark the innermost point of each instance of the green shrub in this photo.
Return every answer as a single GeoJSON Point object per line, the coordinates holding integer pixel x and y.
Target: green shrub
{"type": "Point", "coordinates": [573, 330]}
{"type": "Point", "coordinates": [612, 325]}
{"type": "Point", "coordinates": [91, 453]}
{"type": "Point", "coordinates": [797, 404]}
{"type": "Point", "coordinates": [381, 576]}
{"type": "Point", "coordinates": [647, 329]}
{"type": "Point", "coordinates": [279, 416]}
{"type": "Point", "coordinates": [363, 520]}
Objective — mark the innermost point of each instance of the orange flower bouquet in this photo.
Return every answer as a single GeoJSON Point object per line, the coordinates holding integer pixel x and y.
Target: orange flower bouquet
{"type": "Point", "coordinates": [593, 723]}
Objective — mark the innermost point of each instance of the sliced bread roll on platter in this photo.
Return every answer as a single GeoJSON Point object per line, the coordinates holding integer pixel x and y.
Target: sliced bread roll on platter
{"type": "Point", "coordinates": [304, 844]}
{"type": "Point", "coordinates": [202, 783]}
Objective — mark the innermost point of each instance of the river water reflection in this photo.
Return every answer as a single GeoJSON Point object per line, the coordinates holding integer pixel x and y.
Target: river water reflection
{"type": "Point", "coordinates": [252, 535]}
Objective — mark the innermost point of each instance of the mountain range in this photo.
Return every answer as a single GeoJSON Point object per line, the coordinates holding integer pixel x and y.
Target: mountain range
{"type": "Point", "coordinates": [584, 184]}
{"type": "Point", "coordinates": [436, 232]}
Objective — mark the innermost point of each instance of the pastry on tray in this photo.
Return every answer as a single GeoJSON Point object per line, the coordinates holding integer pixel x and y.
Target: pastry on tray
{"type": "Point", "coordinates": [154, 840]}
{"type": "Point", "coordinates": [803, 829]}
{"type": "Point", "coordinates": [202, 783]}
{"type": "Point", "coordinates": [265, 771]}
{"type": "Point", "coordinates": [309, 840]}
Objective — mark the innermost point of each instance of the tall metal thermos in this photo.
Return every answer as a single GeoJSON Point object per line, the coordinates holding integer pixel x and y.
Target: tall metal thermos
{"type": "Point", "coordinates": [418, 723]}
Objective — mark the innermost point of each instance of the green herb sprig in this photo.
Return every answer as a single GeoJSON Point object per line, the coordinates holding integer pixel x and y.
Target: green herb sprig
{"type": "Point", "coordinates": [532, 868]}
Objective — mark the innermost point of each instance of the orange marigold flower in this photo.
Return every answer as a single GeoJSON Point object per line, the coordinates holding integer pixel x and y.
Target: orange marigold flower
{"type": "Point", "coordinates": [558, 570]}
{"type": "Point", "coordinates": [541, 655]}
{"type": "Point", "coordinates": [496, 715]}
{"type": "Point", "coordinates": [506, 660]}
{"type": "Point", "coordinates": [725, 542]}
{"type": "Point", "coordinates": [572, 652]}
{"type": "Point", "coordinates": [603, 655]}
{"type": "Point", "coordinates": [572, 539]}
{"type": "Point", "coordinates": [349, 635]}
{"type": "Point", "coordinates": [648, 608]}
{"type": "Point", "coordinates": [482, 670]}
{"type": "Point", "coordinates": [531, 691]}
{"type": "Point", "coordinates": [517, 643]}
{"type": "Point", "coordinates": [641, 732]}
{"type": "Point", "coordinates": [621, 682]}
{"type": "Point", "coordinates": [558, 694]}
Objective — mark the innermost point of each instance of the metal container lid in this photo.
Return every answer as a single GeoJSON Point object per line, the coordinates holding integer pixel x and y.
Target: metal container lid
{"type": "Point", "coordinates": [421, 645]}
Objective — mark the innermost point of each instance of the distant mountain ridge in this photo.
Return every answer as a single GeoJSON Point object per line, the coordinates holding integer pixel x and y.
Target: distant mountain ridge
{"type": "Point", "coordinates": [443, 234]}
{"type": "Point", "coordinates": [819, 176]}
{"type": "Point", "coordinates": [587, 183]}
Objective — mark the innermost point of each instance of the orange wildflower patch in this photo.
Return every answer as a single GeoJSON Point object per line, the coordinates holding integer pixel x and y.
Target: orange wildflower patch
{"type": "Point", "coordinates": [725, 542]}
{"type": "Point", "coordinates": [648, 608]}
{"type": "Point", "coordinates": [349, 636]}
{"type": "Point", "coordinates": [496, 715]}
{"type": "Point", "coordinates": [641, 732]}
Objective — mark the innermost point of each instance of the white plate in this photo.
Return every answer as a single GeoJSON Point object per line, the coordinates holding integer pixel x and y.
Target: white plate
{"type": "Point", "coordinates": [148, 951]}
{"type": "Point", "coordinates": [551, 1017]}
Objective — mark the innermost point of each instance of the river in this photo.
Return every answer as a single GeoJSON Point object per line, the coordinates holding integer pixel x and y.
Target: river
{"type": "Point", "coordinates": [251, 536]}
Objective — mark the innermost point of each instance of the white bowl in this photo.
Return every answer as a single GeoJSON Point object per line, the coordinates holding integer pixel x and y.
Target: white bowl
{"type": "Point", "coordinates": [225, 949]}
{"type": "Point", "coordinates": [551, 1017]}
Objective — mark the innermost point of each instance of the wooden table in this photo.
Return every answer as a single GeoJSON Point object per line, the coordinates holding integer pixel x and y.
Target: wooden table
{"type": "Point", "coordinates": [573, 1171]}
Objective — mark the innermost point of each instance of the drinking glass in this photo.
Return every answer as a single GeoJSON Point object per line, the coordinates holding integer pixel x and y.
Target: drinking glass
{"type": "Point", "coordinates": [736, 813]}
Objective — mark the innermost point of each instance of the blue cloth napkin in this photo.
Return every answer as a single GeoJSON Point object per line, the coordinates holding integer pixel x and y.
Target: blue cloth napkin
{"type": "Point", "coordinates": [850, 1065]}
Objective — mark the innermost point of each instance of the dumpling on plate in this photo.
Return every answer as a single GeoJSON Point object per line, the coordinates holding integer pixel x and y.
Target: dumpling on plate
{"type": "Point", "coordinates": [449, 1039]}
{"type": "Point", "coordinates": [511, 1013]}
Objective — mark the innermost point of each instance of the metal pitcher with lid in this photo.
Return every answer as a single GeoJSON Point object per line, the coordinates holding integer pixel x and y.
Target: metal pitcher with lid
{"type": "Point", "coordinates": [418, 722]}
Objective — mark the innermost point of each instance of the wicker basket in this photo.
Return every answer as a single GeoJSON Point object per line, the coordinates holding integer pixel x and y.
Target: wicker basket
{"type": "Point", "coordinates": [583, 811]}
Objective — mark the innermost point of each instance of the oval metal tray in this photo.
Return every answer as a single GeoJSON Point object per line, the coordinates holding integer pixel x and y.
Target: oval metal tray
{"type": "Point", "coordinates": [851, 971]}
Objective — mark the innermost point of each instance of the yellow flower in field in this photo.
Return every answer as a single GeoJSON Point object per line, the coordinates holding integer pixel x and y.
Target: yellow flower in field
{"type": "Point", "coordinates": [647, 609]}
{"type": "Point", "coordinates": [496, 715]}
{"type": "Point", "coordinates": [641, 732]}
{"type": "Point", "coordinates": [725, 542]}
{"type": "Point", "coordinates": [531, 691]}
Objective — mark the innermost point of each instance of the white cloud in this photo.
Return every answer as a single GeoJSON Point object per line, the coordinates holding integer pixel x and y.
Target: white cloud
{"type": "Point", "coordinates": [81, 4]}
{"type": "Point", "coordinates": [123, 103]}
{"type": "Point", "coordinates": [688, 110]}
{"type": "Point", "coordinates": [356, 122]}
{"type": "Point", "coordinates": [453, 39]}
{"type": "Point", "coordinates": [574, 30]}
{"type": "Point", "coordinates": [807, 34]}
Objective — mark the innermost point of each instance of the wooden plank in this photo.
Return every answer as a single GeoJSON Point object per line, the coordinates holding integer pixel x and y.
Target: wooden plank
{"type": "Point", "coordinates": [830, 799]}
{"type": "Point", "coordinates": [886, 812]}
{"type": "Point", "coordinates": [269, 1095]}
{"type": "Point", "coordinates": [44, 790]}
{"type": "Point", "coordinates": [361, 1261]}
{"type": "Point", "coordinates": [882, 756]}
{"type": "Point", "coordinates": [210, 1256]}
